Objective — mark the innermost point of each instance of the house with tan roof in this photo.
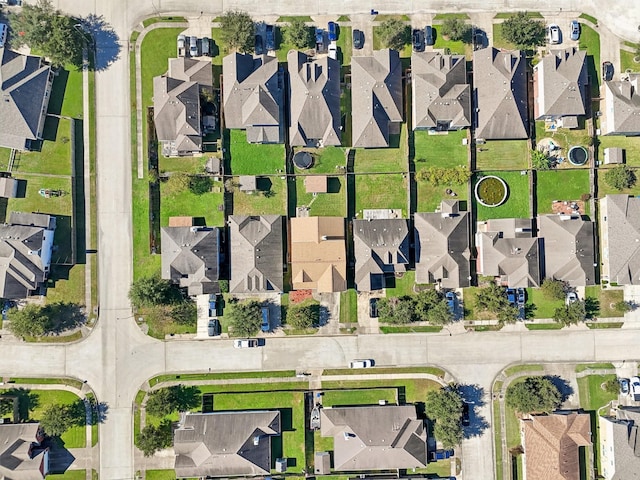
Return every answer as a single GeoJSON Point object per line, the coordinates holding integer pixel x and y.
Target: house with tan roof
{"type": "Point", "coordinates": [500, 94]}
{"type": "Point", "coordinates": [551, 445]}
{"type": "Point", "coordinates": [376, 97]}
{"type": "Point", "coordinates": [222, 444]}
{"type": "Point", "coordinates": [253, 96]}
{"type": "Point", "coordinates": [441, 96]}
{"type": "Point", "coordinates": [318, 254]}
{"type": "Point", "coordinates": [375, 437]}
{"type": "Point", "coordinates": [619, 437]}
{"type": "Point", "coordinates": [622, 107]}
{"type": "Point", "coordinates": [22, 454]}
{"type": "Point", "coordinates": [620, 239]}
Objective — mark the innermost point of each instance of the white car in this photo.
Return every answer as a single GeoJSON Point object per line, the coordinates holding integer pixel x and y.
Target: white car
{"type": "Point", "coordinates": [635, 388]}
{"type": "Point", "coordinates": [361, 363]}
{"type": "Point", "coordinates": [553, 34]}
{"type": "Point", "coordinates": [333, 51]}
{"type": "Point", "coordinates": [245, 343]}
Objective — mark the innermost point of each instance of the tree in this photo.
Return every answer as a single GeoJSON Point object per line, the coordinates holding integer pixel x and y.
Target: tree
{"type": "Point", "coordinates": [177, 182]}
{"type": "Point", "coordinates": [523, 31]}
{"type": "Point", "coordinates": [200, 184]}
{"type": "Point", "coordinates": [47, 30]}
{"type": "Point", "coordinates": [622, 307]}
{"type": "Point", "coordinates": [304, 314]}
{"type": "Point", "coordinates": [534, 394]}
{"type": "Point", "coordinates": [57, 419]}
{"type": "Point", "coordinates": [6, 406]}
{"type": "Point", "coordinates": [553, 289]}
{"type": "Point", "coordinates": [445, 407]}
{"type": "Point", "coordinates": [394, 34]}
{"type": "Point", "coordinates": [298, 34]}
{"type": "Point", "coordinates": [571, 314]}
{"type": "Point", "coordinates": [244, 318]}
{"type": "Point", "coordinates": [611, 386]}
{"type": "Point", "coordinates": [238, 30]}
{"type": "Point", "coordinates": [177, 398]}
{"type": "Point", "coordinates": [152, 291]}
{"type": "Point", "coordinates": [493, 298]}
{"type": "Point", "coordinates": [456, 29]}
{"type": "Point", "coordinates": [539, 161]}
{"type": "Point", "coordinates": [31, 321]}
{"type": "Point", "coordinates": [396, 310]}
{"type": "Point", "coordinates": [620, 177]}
{"type": "Point", "coordinates": [185, 313]}
{"type": "Point", "coordinates": [152, 439]}
{"type": "Point", "coordinates": [431, 306]}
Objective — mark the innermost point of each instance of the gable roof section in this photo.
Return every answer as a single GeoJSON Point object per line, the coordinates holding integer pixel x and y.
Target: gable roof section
{"type": "Point", "coordinates": [620, 238]}
{"type": "Point", "coordinates": [21, 456]}
{"type": "Point", "coordinates": [24, 88]}
{"type": "Point", "coordinates": [318, 254]}
{"type": "Point", "coordinates": [442, 248]}
{"type": "Point", "coordinates": [500, 92]}
{"type": "Point", "coordinates": [190, 258]}
{"type": "Point", "coordinates": [568, 246]}
{"type": "Point", "coordinates": [560, 80]}
{"type": "Point", "coordinates": [314, 100]}
{"type": "Point", "coordinates": [622, 452]}
{"type": "Point", "coordinates": [376, 89]}
{"type": "Point", "coordinates": [191, 70]}
{"type": "Point", "coordinates": [440, 90]}
{"type": "Point", "coordinates": [622, 101]}
{"type": "Point", "coordinates": [256, 254]}
{"type": "Point", "coordinates": [224, 443]}
{"type": "Point", "coordinates": [380, 247]}
{"type": "Point", "coordinates": [375, 437]}
{"type": "Point", "coordinates": [551, 445]}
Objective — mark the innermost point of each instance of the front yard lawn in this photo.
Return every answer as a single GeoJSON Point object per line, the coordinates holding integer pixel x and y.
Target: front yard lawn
{"type": "Point", "coordinates": [349, 306]}
{"type": "Point", "coordinates": [381, 191]}
{"type": "Point", "coordinates": [627, 63]}
{"type": "Point", "coordinates": [503, 155]}
{"type": "Point", "coordinates": [66, 284]}
{"type": "Point", "coordinates": [440, 150]}
{"type": "Point", "coordinates": [325, 160]}
{"type": "Point", "coordinates": [592, 395]}
{"type": "Point", "coordinates": [456, 47]}
{"type": "Point", "coordinates": [403, 286]}
{"type": "Point", "coordinates": [499, 41]}
{"type": "Point", "coordinates": [560, 185]}
{"type": "Point", "coordinates": [251, 158]}
{"type": "Point", "coordinates": [188, 204]}
{"type": "Point", "coordinates": [382, 160]}
{"type": "Point", "coordinates": [369, 396]}
{"type": "Point", "coordinates": [630, 144]}
{"type": "Point", "coordinates": [332, 203]}
{"type": "Point", "coordinates": [158, 46]}
{"type": "Point", "coordinates": [345, 44]}
{"type": "Point", "coordinates": [542, 306]}
{"type": "Point", "coordinates": [517, 203]}
{"type": "Point", "coordinates": [270, 199]}
{"type": "Point", "coordinates": [607, 298]}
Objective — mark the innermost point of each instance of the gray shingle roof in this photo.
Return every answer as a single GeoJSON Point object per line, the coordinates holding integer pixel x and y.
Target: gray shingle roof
{"type": "Point", "coordinates": [568, 246]}
{"type": "Point", "coordinates": [441, 94]}
{"type": "Point", "coordinates": [224, 443]}
{"type": "Point", "coordinates": [622, 101]}
{"type": "Point", "coordinates": [560, 83]}
{"type": "Point", "coordinates": [500, 93]}
{"type": "Point", "coordinates": [25, 83]}
{"type": "Point", "coordinates": [442, 248]}
{"type": "Point", "coordinates": [620, 233]}
{"type": "Point", "coordinates": [256, 254]}
{"type": "Point", "coordinates": [190, 258]}
{"type": "Point", "coordinates": [314, 100]}
{"type": "Point", "coordinates": [21, 457]}
{"type": "Point", "coordinates": [191, 70]}
{"type": "Point", "coordinates": [380, 247]}
{"type": "Point", "coordinates": [375, 438]}
{"type": "Point", "coordinates": [252, 96]}
{"type": "Point", "coordinates": [626, 444]}
{"type": "Point", "coordinates": [376, 97]}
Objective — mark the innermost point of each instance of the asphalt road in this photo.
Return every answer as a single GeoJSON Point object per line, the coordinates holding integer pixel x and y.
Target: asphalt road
{"type": "Point", "coordinates": [117, 358]}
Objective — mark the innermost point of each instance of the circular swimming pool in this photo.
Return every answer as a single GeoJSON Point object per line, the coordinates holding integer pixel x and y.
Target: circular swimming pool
{"type": "Point", "coordinates": [491, 191]}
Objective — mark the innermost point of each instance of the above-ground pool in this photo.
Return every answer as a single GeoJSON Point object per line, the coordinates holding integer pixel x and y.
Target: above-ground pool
{"type": "Point", "coordinates": [491, 191]}
{"type": "Point", "coordinates": [578, 155]}
{"type": "Point", "coordinates": [303, 159]}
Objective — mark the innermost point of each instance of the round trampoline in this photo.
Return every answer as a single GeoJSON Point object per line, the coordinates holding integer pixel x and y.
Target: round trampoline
{"type": "Point", "coordinates": [303, 160]}
{"type": "Point", "coordinates": [578, 155]}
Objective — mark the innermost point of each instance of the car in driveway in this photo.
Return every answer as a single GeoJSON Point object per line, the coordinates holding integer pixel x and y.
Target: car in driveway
{"type": "Point", "coordinates": [607, 71]}
{"type": "Point", "coordinates": [213, 327]}
{"type": "Point", "coordinates": [575, 30]}
{"type": "Point", "coordinates": [358, 39]}
{"type": "Point", "coordinates": [635, 388]}
{"type": "Point", "coordinates": [624, 386]}
{"type": "Point", "coordinates": [245, 343]}
{"type": "Point", "coordinates": [451, 302]}
{"type": "Point", "coordinates": [332, 50]}
{"type": "Point", "coordinates": [572, 297]}
{"type": "Point", "coordinates": [373, 308]}
{"type": "Point", "coordinates": [521, 297]}
{"type": "Point", "coordinates": [193, 46]}
{"type": "Point", "coordinates": [270, 44]}
{"type": "Point", "coordinates": [333, 31]}
{"type": "Point", "coordinates": [417, 40]}
{"type": "Point", "coordinates": [429, 35]}
{"type": "Point", "coordinates": [553, 34]}
{"type": "Point", "coordinates": [441, 455]}
{"type": "Point", "coordinates": [511, 296]}
{"type": "Point", "coordinates": [364, 363]}
{"type": "Point", "coordinates": [265, 326]}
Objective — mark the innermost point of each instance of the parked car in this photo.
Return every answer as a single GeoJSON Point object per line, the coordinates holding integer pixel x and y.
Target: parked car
{"type": "Point", "coordinates": [553, 34]}
{"type": "Point", "coordinates": [213, 305]}
{"type": "Point", "coordinates": [264, 324]}
{"type": "Point", "coordinates": [206, 46]}
{"type": "Point", "coordinates": [373, 307]}
{"type": "Point", "coordinates": [4, 31]}
{"type": "Point", "coordinates": [451, 301]}
{"type": "Point", "coordinates": [571, 298]}
{"type": "Point", "coordinates": [575, 30]}
{"type": "Point", "coordinates": [333, 50]}
{"type": "Point", "coordinates": [521, 296]}
{"type": "Point", "coordinates": [624, 386]}
{"type": "Point", "coordinates": [417, 40]}
{"type": "Point", "coordinates": [258, 48]}
{"type": "Point", "coordinates": [333, 31]}
{"type": "Point", "coordinates": [319, 39]}
{"type": "Point", "coordinates": [358, 39]}
{"type": "Point", "coordinates": [466, 421]}
{"type": "Point", "coordinates": [429, 35]}
{"type": "Point", "coordinates": [367, 363]}
{"type": "Point", "coordinates": [607, 71]}
{"type": "Point", "coordinates": [270, 44]}
{"type": "Point", "coordinates": [245, 343]}
{"type": "Point", "coordinates": [511, 296]}
{"type": "Point", "coordinates": [182, 41]}
{"type": "Point", "coordinates": [441, 455]}
{"type": "Point", "coordinates": [635, 388]}
{"type": "Point", "coordinates": [213, 328]}
{"type": "Point", "coordinates": [193, 46]}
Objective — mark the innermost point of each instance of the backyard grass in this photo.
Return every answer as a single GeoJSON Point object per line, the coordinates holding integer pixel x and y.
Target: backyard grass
{"type": "Point", "coordinates": [630, 144]}
{"type": "Point", "coordinates": [188, 204]}
{"type": "Point", "coordinates": [499, 41]}
{"type": "Point", "coordinates": [332, 203]}
{"type": "Point", "coordinates": [55, 155]}
{"type": "Point", "coordinates": [349, 306]}
{"type": "Point", "coordinates": [627, 63]}
{"type": "Point", "coordinates": [430, 196]}
{"type": "Point", "coordinates": [253, 158]}
{"type": "Point", "coordinates": [369, 396]}
{"type": "Point", "coordinates": [403, 286]}
{"type": "Point", "coordinates": [383, 160]}
{"type": "Point", "coordinates": [541, 305]}
{"type": "Point", "coordinates": [517, 203]}
{"type": "Point", "coordinates": [325, 160]}
{"type": "Point", "coordinates": [565, 138]}
{"type": "Point", "coordinates": [344, 44]}
{"type": "Point", "coordinates": [443, 151]}
{"type": "Point", "coordinates": [66, 284]}
{"type": "Point", "coordinates": [503, 155]}
{"type": "Point", "coordinates": [381, 191]}
{"type": "Point", "coordinates": [181, 164]}
{"type": "Point", "coordinates": [257, 203]}
{"type": "Point", "coordinates": [560, 185]}
{"type": "Point", "coordinates": [604, 188]}
{"type": "Point", "coordinates": [607, 298]}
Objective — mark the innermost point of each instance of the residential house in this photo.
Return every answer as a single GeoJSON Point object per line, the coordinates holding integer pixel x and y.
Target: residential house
{"type": "Point", "coordinates": [26, 247]}
{"type": "Point", "coordinates": [22, 454]}
{"type": "Point", "coordinates": [253, 96]}
{"type": "Point", "coordinates": [256, 258]}
{"type": "Point", "coordinates": [622, 107]}
{"type": "Point", "coordinates": [620, 444]}
{"type": "Point", "coordinates": [508, 251]}
{"type": "Point", "coordinates": [191, 70]}
{"type": "Point", "coordinates": [560, 87]}
{"type": "Point", "coordinates": [441, 96]}
{"type": "Point", "coordinates": [314, 101]}
{"type": "Point", "coordinates": [25, 87]}
{"type": "Point", "coordinates": [442, 246]}
{"type": "Point", "coordinates": [222, 444]}
{"type": "Point", "coordinates": [191, 258]}
{"type": "Point", "coordinates": [620, 239]}
{"type": "Point", "coordinates": [551, 445]}
{"type": "Point", "coordinates": [568, 249]}
{"type": "Point", "coordinates": [376, 97]}
{"type": "Point", "coordinates": [381, 248]}
{"type": "Point", "coordinates": [375, 437]}
{"type": "Point", "coordinates": [318, 254]}
{"type": "Point", "coordinates": [500, 94]}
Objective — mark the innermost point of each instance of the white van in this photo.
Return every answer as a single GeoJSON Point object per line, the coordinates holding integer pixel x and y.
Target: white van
{"type": "Point", "coordinates": [4, 30]}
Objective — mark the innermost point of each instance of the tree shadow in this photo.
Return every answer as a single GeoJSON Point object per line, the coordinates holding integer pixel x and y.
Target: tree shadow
{"type": "Point", "coordinates": [105, 39]}
{"type": "Point", "coordinates": [27, 401]}
{"type": "Point", "coordinates": [591, 307]}
{"type": "Point", "coordinates": [473, 395]}
{"type": "Point", "coordinates": [323, 315]}
{"type": "Point", "coordinates": [566, 390]}
{"type": "Point", "coordinates": [64, 316]}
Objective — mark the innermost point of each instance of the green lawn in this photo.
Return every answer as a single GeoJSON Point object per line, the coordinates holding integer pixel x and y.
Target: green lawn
{"type": "Point", "coordinates": [66, 284]}
{"type": "Point", "coordinates": [630, 144]}
{"type": "Point", "coordinates": [417, 329]}
{"type": "Point", "coordinates": [381, 191]}
{"type": "Point", "coordinates": [517, 203]}
{"type": "Point", "coordinates": [590, 41]}
{"type": "Point", "coordinates": [415, 390]}
{"type": "Point", "coordinates": [440, 150]}
{"type": "Point", "coordinates": [157, 48]}
{"type": "Point", "coordinates": [506, 15]}
{"type": "Point", "coordinates": [471, 312]}
{"type": "Point", "coordinates": [499, 41]}
{"type": "Point", "coordinates": [290, 18]}
{"type": "Point", "coordinates": [186, 203]}
{"type": "Point", "coordinates": [522, 368]}
{"type": "Point", "coordinates": [593, 20]}
{"type": "Point", "coordinates": [627, 63]}
{"type": "Point", "coordinates": [345, 44]}
{"type": "Point", "coordinates": [503, 155]}
{"type": "Point", "coordinates": [332, 203]}
{"type": "Point", "coordinates": [368, 396]}
{"type": "Point", "coordinates": [349, 306]}
{"type": "Point", "coordinates": [381, 160]}
{"type": "Point", "coordinates": [560, 185]}
{"type": "Point", "coordinates": [456, 47]}
{"type": "Point", "coordinates": [403, 286]}
{"type": "Point", "coordinates": [257, 203]}
{"type": "Point", "coordinates": [592, 395]}
{"type": "Point", "coordinates": [181, 164]}
{"type": "Point", "coordinates": [151, 21]}
{"type": "Point", "coordinates": [325, 160]}
{"type": "Point", "coordinates": [594, 366]}
{"type": "Point", "coordinates": [565, 138]}
{"type": "Point", "coordinates": [430, 196]}
{"type": "Point", "coordinates": [70, 475]}
{"type": "Point", "coordinates": [219, 50]}
{"type": "Point", "coordinates": [444, 16]}
{"type": "Point", "coordinates": [160, 475]}
{"type": "Point", "coordinates": [607, 298]}
{"type": "Point", "coordinates": [544, 307]}
{"type": "Point", "coordinates": [252, 158]}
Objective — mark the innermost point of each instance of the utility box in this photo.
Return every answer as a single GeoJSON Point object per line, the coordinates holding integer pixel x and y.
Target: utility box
{"type": "Point", "coordinates": [281, 465]}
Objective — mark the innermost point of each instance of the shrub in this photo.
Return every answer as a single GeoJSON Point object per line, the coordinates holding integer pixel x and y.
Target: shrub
{"type": "Point", "coordinates": [437, 176]}
{"type": "Point", "coordinates": [456, 29]}
{"type": "Point", "coordinates": [539, 161]}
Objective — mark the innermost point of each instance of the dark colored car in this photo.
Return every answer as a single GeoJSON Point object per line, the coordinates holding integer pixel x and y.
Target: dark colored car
{"type": "Point", "coordinates": [213, 328]}
{"type": "Point", "coordinates": [259, 49]}
{"type": "Point", "coordinates": [429, 35]}
{"type": "Point", "coordinates": [358, 39]}
{"type": "Point", "coordinates": [521, 297]}
{"type": "Point", "coordinates": [451, 302]}
{"type": "Point", "coordinates": [417, 40]}
{"type": "Point", "coordinates": [333, 31]}
{"type": "Point", "coordinates": [270, 44]}
{"type": "Point", "coordinates": [466, 421]}
{"type": "Point", "coordinates": [264, 324]}
{"type": "Point", "coordinates": [373, 307]}
{"type": "Point", "coordinates": [319, 35]}
{"type": "Point", "coordinates": [607, 71]}
{"type": "Point", "coordinates": [511, 296]}
{"type": "Point", "coordinates": [213, 306]}
{"type": "Point", "coordinates": [441, 455]}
